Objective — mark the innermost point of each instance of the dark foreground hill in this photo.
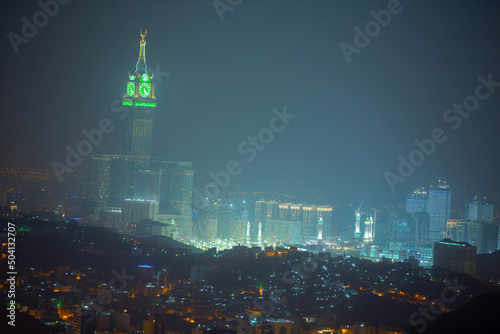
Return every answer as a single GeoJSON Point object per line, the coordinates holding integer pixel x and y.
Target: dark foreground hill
{"type": "Point", "coordinates": [480, 315]}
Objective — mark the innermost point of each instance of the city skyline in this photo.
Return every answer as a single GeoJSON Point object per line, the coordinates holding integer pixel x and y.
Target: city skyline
{"type": "Point", "coordinates": [237, 167]}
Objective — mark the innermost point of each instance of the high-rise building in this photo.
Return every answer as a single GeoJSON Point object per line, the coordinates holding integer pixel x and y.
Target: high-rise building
{"type": "Point", "coordinates": [84, 320]}
{"type": "Point", "coordinates": [103, 322]}
{"type": "Point", "coordinates": [439, 208]}
{"type": "Point", "coordinates": [417, 201]}
{"type": "Point", "coordinates": [141, 100]}
{"type": "Point", "coordinates": [399, 225]}
{"type": "Point", "coordinates": [480, 210]}
{"type": "Point", "coordinates": [121, 185]}
{"type": "Point", "coordinates": [147, 185]}
{"type": "Point", "coordinates": [436, 201]}
{"type": "Point", "coordinates": [309, 215]}
{"type": "Point", "coordinates": [419, 226]}
{"type": "Point", "coordinates": [100, 178]}
{"type": "Point", "coordinates": [455, 256]}
{"type": "Point", "coordinates": [478, 233]}
{"type": "Point", "coordinates": [180, 188]}
{"type": "Point", "coordinates": [176, 189]}
{"type": "Point", "coordinates": [265, 210]}
{"type": "Point", "coordinates": [134, 211]}
{"type": "Point", "coordinates": [133, 174]}
{"type": "Point", "coordinates": [110, 180]}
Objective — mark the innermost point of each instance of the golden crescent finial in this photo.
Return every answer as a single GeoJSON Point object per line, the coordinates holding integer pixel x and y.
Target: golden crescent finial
{"type": "Point", "coordinates": [144, 35]}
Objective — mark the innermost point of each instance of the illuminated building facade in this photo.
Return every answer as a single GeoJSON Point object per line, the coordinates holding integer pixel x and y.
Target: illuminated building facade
{"type": "Point", "coordinates": [135, 174]}
{"type": "Point", "coordinates": [134, 211]}
{"type": "Point", "coordinates": [325, 213]}
{"type": "Point", "coordinates": [439, 208]}
{"type": "Point", "coordinates": [265, 210]}
{"type": "Point", "coordinates": [141, 102]}
{"type": "Point", "coordinates": [417, 201]}
{"type": "Point", "coordinates": [481, 234]}
{"type": "Point", "coordinates": [180, 188]}
{"type": "Point", "coordinates": [100, 179]}
{"type": "Point", "coordinates": [480, 210]}
{"type": "Point", "coordinates": [320, 229]}
{"type": "Point", "coordinates": [121, 183]}
{"type": "Point", "coordinates": [357, 226]}
{"type": "Point", "coordinates": [436, 201]}
{"type": "Point", "coordinates": [176, 188]}
{"type": "Point", "coordinates": [147, 185]}
{"type": "Point", "coordinates": [369, 224]}
{"type": "Point", "coordinates": [455, 256]}
{"type": "Point", "coordinates": [283, 232]}
{"type": "Point", "coordinates": [259, 236]}
{"type": "Point", "coordinates": [308, 215]}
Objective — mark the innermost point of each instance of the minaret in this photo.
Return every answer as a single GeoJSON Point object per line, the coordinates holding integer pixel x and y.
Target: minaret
{"type": "Point", "coordinates": [248, 234]}
{"type": "Point", "coordinates": [368, 229]}
{"type": "Point", "coordinates": [259, 237]}
{"type": "Point", "coordinates": [357, 228]}
{"type": "Point", "coordinates": [320, 229]}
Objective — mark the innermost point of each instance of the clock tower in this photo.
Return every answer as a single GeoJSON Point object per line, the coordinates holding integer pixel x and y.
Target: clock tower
{"type": "Point", "coordinates": [141, 100]}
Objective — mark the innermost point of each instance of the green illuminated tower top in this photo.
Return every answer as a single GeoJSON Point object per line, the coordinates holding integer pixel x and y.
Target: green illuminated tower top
{"type": "Point", "coordinates": [141, 67]}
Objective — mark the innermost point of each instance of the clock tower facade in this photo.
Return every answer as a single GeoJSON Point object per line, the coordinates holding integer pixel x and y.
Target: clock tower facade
{"type": "Point", "coordinates": [141, 100]}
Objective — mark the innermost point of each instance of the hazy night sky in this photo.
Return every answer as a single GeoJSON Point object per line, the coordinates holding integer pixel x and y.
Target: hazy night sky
{"type": "Point", "coordinates": [353, 120]}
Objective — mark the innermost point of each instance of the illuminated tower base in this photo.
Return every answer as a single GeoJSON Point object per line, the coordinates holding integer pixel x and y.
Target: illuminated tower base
{"type": "Point", "coordinates": [320, 229]}
{"type": "Point", "coordinates": [247, 239]}
{"type": "Point", "coordinates": [357, 227]}
{"type": "Point", "coordinates": [259, 236]}
{"type": "Point", "coordinates": [368, 230]}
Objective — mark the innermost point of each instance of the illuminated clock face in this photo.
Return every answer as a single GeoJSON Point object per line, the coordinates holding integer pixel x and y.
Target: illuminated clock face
{"type": "Point", "coordinates": [144, 89]}
{"type": "Point", "coordinates": [145, 77]}
{"type": "Point", "coordinates": [130, 88]}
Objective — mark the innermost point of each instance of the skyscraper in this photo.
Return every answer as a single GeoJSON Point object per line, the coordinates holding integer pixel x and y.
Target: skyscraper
{"type": "Point", "coordinates": [134, 183]}
{"type": "Point", "coordinates": [266, 210]}
{"type": "Point", "coordinates": [180, 187]}
{"type": "Point", "coordinates": [439, 208]}
{"type": "Point", "coordinates": [417, 201]}
{"type": "Point", "coordinates": [100, 179]}
{"type": "Point", "coordinates": [147, 185]}
{"type": "Point", "coordinates": [141, 100]}
{"type": "Point", "coordinates": [437, 203]}
{"type": "Point", "coordinates": [478, 233]}
{"type": "Point", "coordinates": [480, 210]}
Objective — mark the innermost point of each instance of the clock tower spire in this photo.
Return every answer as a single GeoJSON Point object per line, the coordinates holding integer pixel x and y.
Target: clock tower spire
{"type": "Point", "coordinates": [141, 67]}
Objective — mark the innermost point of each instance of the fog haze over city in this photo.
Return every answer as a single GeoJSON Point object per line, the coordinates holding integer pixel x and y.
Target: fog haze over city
{"type": "Point", "coordinates": [236, 166]}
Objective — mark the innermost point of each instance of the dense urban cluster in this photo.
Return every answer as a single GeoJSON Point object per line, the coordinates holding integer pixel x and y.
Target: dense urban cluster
{"type": "Point", "coordinates": [134, 284]}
